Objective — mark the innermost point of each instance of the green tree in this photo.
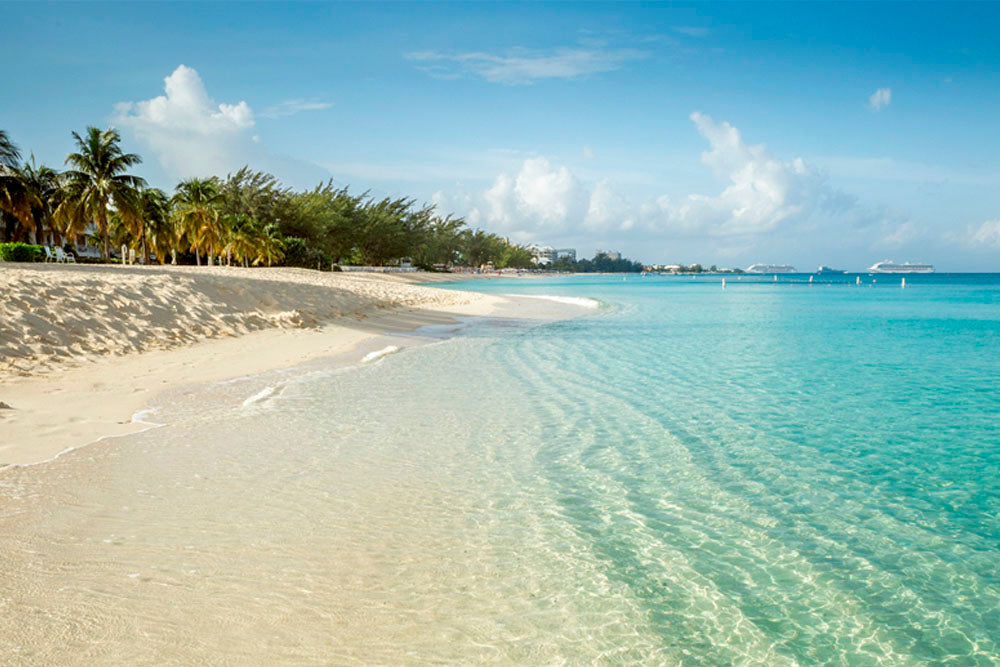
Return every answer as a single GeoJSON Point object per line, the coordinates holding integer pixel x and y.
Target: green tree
{"type": "Point", "coordinates": [16, 199]}
{"type": "Point", "coordinates": [97, 180]}
{"type": "Point", "coordinates": [155, 226]}
{"type": "Point", "coordinates": [43, 184]}
{"type": "Point", "coordinates": [196, 211]}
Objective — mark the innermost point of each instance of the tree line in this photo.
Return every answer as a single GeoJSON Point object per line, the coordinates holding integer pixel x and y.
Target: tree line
{"type": "Point", "coordinates": [601, 263]}
{"type": "Point", "coordinates": [247, 217]}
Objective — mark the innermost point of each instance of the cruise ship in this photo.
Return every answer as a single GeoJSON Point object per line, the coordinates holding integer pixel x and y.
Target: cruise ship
{"type": "Point", "coordinates": [906, 267]}
{"type": "Point", "coordinates": [827, 269]}
{"type": "Point", "coordinates": [770, 268]}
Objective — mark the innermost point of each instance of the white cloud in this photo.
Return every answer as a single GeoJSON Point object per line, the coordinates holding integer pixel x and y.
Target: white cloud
{"type": "Point", "coordinates": [880, 99]}
{"type": "Point", "coordinates": [524, 66]}
{"type": "Point", "coordinates": [543, 200]}
{"type": "Point", "coordinates": [987, 234]}
{"type": "Point", "coordinates": [763, 191]}
{"type": "Point", "coordinates": [544, 192]}
{"type": "Point", "coordinates": [607, 209]}
{"type": "Point", "coordinates": [188, 132]}
{"type": "Point", "coordinates": [898, 235]}
{"type": "Point", "coordinates": [292, 107]}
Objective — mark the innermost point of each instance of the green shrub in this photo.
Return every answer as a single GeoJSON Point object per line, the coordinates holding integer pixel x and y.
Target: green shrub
{"type": "Point", "coordinates": [21, 252]}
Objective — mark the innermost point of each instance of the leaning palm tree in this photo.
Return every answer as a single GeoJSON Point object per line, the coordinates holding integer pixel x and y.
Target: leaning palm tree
{"type": "Point", "coordinates": [16, 200]}
{"type": "Point", "coordinates": [97, 179]}
{"type": "Point", "coordinates": [196, 209]}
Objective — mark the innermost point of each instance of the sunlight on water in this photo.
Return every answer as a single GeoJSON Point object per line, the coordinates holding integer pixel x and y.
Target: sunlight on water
{"type": "Point", "coordinates": [762, 475]}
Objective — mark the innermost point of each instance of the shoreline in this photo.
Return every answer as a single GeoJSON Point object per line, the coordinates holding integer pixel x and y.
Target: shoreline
{"type": "Point", "coordinates": [95, 397]}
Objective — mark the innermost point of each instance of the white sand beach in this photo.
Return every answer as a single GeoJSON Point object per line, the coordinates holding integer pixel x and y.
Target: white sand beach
{"type": "Point", "coordinates": [82, 348]}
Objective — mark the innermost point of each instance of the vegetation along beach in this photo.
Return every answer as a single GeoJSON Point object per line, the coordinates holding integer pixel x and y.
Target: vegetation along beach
{"type": "Point", "coordinates": [464, 333]}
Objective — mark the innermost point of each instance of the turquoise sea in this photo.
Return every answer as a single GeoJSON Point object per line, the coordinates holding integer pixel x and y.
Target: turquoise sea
{"type": "Point", "coordinates": [781, 469]}
{"type": "Point", "coordinates": [771, 473]}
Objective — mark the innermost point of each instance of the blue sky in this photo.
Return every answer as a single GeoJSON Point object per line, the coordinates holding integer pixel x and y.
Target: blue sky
{"type": "Point", "coordinates": [727, 134]}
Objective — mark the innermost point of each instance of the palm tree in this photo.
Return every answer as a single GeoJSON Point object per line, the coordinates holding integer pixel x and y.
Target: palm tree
{"type": "Point", "coordinates": [157, 228]}
{"type": "Point", "coordinates": [241, 231]}
{"type": "Point", "coordinates": [197, 214]}
{"type": "Point", "coordinates": [43, 184]}
{"type": "Point", "coordinates": [9, 154]}
{"type": "Point", "coordinates": [269, 247]}
{"type": "Point", "coordinates": [97, 179]}
{"type": "Point", "coordinates": [16, 199]}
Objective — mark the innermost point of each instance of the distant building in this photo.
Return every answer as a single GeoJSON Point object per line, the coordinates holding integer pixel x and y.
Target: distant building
{"type": "Point", "coordinates": [542, 255]}
{"type": "Point", "coordinates": [610, 254]}
{"type": "Point", "coordinates": [566, 253]}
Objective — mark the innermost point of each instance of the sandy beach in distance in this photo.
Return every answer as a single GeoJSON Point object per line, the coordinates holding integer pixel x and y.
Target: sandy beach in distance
{"type": "Point", "coordinates": [83, 348]}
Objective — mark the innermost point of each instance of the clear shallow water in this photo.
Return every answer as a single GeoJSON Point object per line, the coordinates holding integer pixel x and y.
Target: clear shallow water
{"type": "Point", "coordinates": [779, 474]}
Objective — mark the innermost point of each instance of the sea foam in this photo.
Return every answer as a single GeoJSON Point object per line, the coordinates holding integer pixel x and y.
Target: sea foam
{"type": "Point", "coordinates": [259, 396]}
{"type": "Point", "coordinates": [571, 300]}
{"type": "Point", "coordinates": [378, 354]}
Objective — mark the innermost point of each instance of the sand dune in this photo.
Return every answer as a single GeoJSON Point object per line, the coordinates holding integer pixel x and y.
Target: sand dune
{"type": "Point", "coordinates": [54, 316]}
{"type": "Point", "coordinates": [82, 348]}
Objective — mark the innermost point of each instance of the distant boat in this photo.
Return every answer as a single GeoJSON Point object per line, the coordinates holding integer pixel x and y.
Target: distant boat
{"type": "Point", "coordinates": [827, 269]}
{"type": "Point", "coordinates": [907, 267]}
{"type": "Point", "coordinates": [770, 268]}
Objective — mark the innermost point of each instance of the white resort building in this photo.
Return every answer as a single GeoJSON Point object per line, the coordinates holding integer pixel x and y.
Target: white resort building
{"type": "Point", "coordinates": [543, 255]}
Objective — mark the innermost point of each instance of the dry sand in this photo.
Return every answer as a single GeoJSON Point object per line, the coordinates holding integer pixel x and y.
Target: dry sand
{"type": "Point", "coordinates": [83, 348]}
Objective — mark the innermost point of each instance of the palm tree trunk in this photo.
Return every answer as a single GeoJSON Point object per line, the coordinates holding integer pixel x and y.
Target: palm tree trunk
{"type": "Point", "coordinates": [102, 221]}
{"type": "Point", "coordinates": [197, 255]}
{"type": "Point", "coordinates": [145, 248]}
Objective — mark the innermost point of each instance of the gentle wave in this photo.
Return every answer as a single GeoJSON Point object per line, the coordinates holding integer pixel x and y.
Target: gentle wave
{"type": "Point", "coordinates": [259, 396]}
{"type": "Point", "coordinates": [582, 301]}
{"type": "Point", "coordinates": [378, 354]}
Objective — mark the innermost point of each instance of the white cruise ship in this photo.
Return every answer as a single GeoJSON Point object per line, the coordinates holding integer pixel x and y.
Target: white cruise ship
{"type": "Point", "coordinates": [770, 268]}
{"type": "Point", "coordinates": [906, 267]}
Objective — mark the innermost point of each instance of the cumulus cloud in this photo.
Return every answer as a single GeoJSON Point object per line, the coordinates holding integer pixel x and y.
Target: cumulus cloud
{"type": "Point", "coordinates": [546, 200]}
{"type": "Point", "coordinates": [292, 107]}
{"type": "Point", "coordinates": [540, 198]}
{"type": "Point", "coordinates": [880, 99]}
{"type": "Point", "coordinates": [188, 132]}
{"type": "Point", "coordinates": [763, 191]}
{"type": "Point", "coordinates": [524, 66]}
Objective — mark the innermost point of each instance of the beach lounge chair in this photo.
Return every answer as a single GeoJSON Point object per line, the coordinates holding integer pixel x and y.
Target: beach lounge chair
{"type": "Point", "coordinates": [62, 256]}
{"type": "Point", "coordinates": [49, 257]}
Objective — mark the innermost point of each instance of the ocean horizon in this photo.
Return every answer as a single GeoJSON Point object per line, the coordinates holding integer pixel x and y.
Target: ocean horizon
{"type": "Point", "coordinates": [777, 472]}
